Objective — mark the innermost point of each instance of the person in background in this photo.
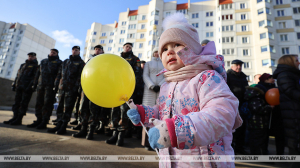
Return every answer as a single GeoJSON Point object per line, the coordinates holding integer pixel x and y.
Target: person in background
{"type": "Point", "coordinates": [237, 82]}
{"type": "Point", "coordinates": [24, 87]}
{"type": "Point", "coordinates": [204, 42]}
{"type": "Point", "coordinates": [256, 79]}
{"type": "Point", "coordinates": [143, 64]}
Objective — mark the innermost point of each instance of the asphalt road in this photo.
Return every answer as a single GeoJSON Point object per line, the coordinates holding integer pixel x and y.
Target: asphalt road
{"type": "Point", "coordinates": [20, 140]}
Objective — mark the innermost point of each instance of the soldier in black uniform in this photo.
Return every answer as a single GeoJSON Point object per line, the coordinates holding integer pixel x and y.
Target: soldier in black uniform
{"type": "Point", "coordinates": [46, 90]}
{"type": "Point", "coordinates": [90, 110]}
{"type": "Point", "coordinates": [24, 86]}
{"type": "Point", "coordinates": [119, 120]}
{"type": "Point", "coordinates": [68, 77]}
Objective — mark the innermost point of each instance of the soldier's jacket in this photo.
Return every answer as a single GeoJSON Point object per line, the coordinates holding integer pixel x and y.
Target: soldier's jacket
{"type": "Point", "coordinates": [47, 72]}
{"type": "Point", "coordinates": [26, 73]}
{"type": "Point", "coordinates": [134, 61]}
{"type": "Point", "coordinates": [69, 74]}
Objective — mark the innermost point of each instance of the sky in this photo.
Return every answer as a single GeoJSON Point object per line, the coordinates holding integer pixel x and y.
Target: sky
{"type": "Point", "coordinates": [67, 21]}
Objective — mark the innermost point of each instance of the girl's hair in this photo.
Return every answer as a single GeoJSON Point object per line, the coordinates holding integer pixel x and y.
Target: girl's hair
{"type": "Point", "coordinates": [288, 60]}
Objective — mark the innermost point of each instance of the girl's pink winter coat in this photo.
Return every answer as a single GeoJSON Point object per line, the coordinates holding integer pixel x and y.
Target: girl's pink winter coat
{"type": "Point", "coordinates": [204, 111]}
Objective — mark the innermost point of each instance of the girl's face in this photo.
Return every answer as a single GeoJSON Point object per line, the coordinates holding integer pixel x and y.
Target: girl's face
{"type": "Point", "coordinates": [170, 59]}
{"type": "Point", "coordinates": [297, 62]}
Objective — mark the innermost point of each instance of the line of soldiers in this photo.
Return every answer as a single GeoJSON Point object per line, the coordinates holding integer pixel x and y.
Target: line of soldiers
{"type": "Point", "coordinates": [63, 77]}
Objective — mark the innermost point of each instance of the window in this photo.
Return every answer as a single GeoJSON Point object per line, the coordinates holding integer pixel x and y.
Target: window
{"type": "Point", "coordinates": [133, 17]}
{"type": "Point", "coordinates": [298, 36]}
{"type": "Point", "coordinates": [168, 13]}
{"type": "Point", "coordinates": [142, 35]}
{"type": "Point", "coordinates": [278, 2]}
{"type": "Point", "coordinates": [19, 38]}
{"type": "Point", "coordinates": [247, 66]}
{"type": "Point", "coordinates": [209, 24]}
{"type": "Point", "coordinates": [196, 15]}
{"type": "Point", "coordinates": [12, 58]}
{"type": "Point", "coordinates": [120, 49]}
{"type": "Point", "coordinates": [273, 62]}
{"type": "Point", "coordinates": [227, 28]}
{"type": "Point", "coordinates": [265, 62]}
{"type": "Point", "coordinates": [226, 6]}
{"type": "Point", "coordinates": [141, 45]}
{"type": "Point", "coordinates": [297, 22]}
{"type": "Point", "coordinates": [157, 12]}
{"type": "Point", "coordinates": [268, 11]}
{"type": "Point", "coordinates": [227, 39]}
{"type": "Point", "coordinates": [269, 23]}
{"type": "Point", "coordinates": [150, 32]}
{"type": "Point", "coordinates": [17, 45]}
{"type": "Point", "coordinates": [244, 28]}
{"type": "Point", "coordinates": [243, 16]}
{"type": "Point", "coordinates": [8, 73]}
{"type": "Point", "coordinates": [121, 41]}
{"type": "Point", "coordinates": [123, 23]}
{"type": "Point", "coordinates": [296, 10]}
{"type": "Point", "coordinates": [271, 35]}
{"type": "Point", "coordinates": [227, 17]}
{"type": "Point", "coordinates": [283, 37]}
{"type": "Point", "coordinates": [22, 32]}
{"type": "Point", "coordinates": [195, 25]}
{"type": "Point", "coordinates": [285, 50]}
{"type": "Point", "coordinates": [152, 13]}
{"type": "Point", "coordinates": [246, 52]}
{"type": "Point", "coordinates": [122, 32]}
{"type": "Point", "coordinates": [140, 55]}
{"type": "Point", "coordinates": [260, 11]}
{"type": "Point", "coordinates": [15, 51]}
{"type": "Point", "coordinates": [156, 22]}
{"type": "Point", "coordinates": [149, 43]}
{"type": "Point", "coordinates": [264, 48]}
{"type": "Point", "coordinates": [154, 42]}
{"type": "Point", "coordinates": [209, 34]}
{"type": "Point", "coordinates": [245, 40]}
{"type": "Point", "coordinates": [242, 5]}
{"type": "Point", "coordinates": [143, 26]}
{"type": "Point", "coordinates": [272, 49]}
{"type": "Point", "coordinates": [132, 26]}
{"type": "Point", "coordinates": [93, 40]}
{"type": "Point", "coordinates": [282, 25]}
{"type": "Point", "coordinates": [95, 33]}
{"type": "Point", "coordinates": [144, 17]}
{"type": "Point", "coordinates": [263, 35]}
{"type": "Point", "coordinates": [295, 0]}
{"type": "Point", "coordinates": [131, 35]}
{"type": "Point", "coordinates": [111, 41]}
{"type": "Point", "coordinates": [109, 48]}
{"type": "Point", "coordinates": [184, 11]}
{"type": "Point", "coordinates": [151, 22]}
{"type": "Point", "coordinates": [111, 33]}
{"type": "Point", "coordinates": [280, 13]}
{"type": "Point", "coordinates": [261, 23]}
{"type": "Point", "coordinates": [208, 14]}
{"type": "Point", "coordinates": [103, 34]}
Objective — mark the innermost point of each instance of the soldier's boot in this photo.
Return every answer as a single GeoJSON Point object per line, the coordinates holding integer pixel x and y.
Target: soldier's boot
{"type": "Point", "coordinates": [90, 135]}
{"type": "Point", "coordinates": [17, 121]}
{"type": "Point", "coordinates": [77, 127]}
{"type": "Point", "coordinates": [35, 123]}
{"type": "Point", "coordinates": [63, 129]}
{"type": "Point", "coordinates": [11, 120]}
{"type": "Point", "coordinates": [82, 132]}
{"type": "Point", "coordinates": [100, 129]}
{"type": "Point", "coordinates": [75, 122]}
{"type": "Point", "coordinates": [42, 125]}
{"type": "Point", "coordinates": [53, 130]}
{"type": "Point", "coordinates": [113, 139]}
{"type": "Point", "coordinates": [120, 141]}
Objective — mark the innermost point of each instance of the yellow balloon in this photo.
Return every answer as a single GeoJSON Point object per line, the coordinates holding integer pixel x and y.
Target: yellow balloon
{"type": "Point", "coordinates": [108, 80]}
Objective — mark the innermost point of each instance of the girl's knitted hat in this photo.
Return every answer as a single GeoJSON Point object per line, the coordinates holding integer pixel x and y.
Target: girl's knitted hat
{"type": "Point", "coordinates": [178, 30]}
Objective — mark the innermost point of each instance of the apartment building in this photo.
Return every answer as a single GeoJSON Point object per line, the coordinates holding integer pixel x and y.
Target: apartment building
{"type": "Point", "coordinates": [16, 41]}
{"type": "Point", "coordinates": [258, 32]}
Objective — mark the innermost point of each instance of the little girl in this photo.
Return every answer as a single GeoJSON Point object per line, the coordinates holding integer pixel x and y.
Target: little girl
{"type": "Point", "coordinates": [196, 112]}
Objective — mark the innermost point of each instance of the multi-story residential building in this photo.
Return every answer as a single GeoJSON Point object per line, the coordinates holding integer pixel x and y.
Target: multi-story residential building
{"type": "Point", "coordinates": [258, 32]}
{"type": "Point", "coordinates": [16, 41]}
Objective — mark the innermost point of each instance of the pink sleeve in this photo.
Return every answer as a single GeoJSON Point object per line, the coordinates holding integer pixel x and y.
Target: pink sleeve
{"type": "Point", "coordinates": [147, 112]}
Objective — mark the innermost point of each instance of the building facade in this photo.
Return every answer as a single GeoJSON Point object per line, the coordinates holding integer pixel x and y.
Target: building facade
{"type": "Point", "coordinates": [16, 41]}
{"type": "Point", "coordinates": [257, 32]}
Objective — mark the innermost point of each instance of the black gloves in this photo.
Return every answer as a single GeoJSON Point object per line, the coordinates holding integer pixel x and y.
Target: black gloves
{"type": "Point", "coordinates": [156, 88]}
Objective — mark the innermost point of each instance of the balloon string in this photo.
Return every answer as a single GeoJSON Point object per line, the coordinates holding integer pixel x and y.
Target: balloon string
{"type": "Point", "coordinates": [148, 135]}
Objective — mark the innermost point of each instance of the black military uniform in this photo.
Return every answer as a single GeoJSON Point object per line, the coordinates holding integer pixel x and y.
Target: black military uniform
{"type": "Point", "coordinates": [68, 77]}
{"type": "Point", "coordinates": [119, 119]}
{"type": "Point", "coordinates": [24, 87]}
{"type": "Point", "coordinates": [89, 110]}
{"type": "Point", "coordinates": [46, 90]}
{"type": "Point", "coordinates": [237, 83]}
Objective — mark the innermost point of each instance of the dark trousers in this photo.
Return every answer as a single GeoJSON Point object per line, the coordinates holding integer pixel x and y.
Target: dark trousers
{"type": "Point", "coordinates": [239, 137]}
{"type": "Point", "coordinates": [68, 100]}
{"type": "Point", "coordinates": [76, 114]}
{"type": "Point", "coordinates": [44, 103]}
{"type": "Point", "coordinates": [258, 141]}
{"type": "Point", "coordinates": [119, 119]}
{"type": "Point", "coordinates": [22, 99]}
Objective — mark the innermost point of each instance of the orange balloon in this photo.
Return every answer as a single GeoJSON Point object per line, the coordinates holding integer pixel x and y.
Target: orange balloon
{"type": "Point", "coordinates": [272, 97]}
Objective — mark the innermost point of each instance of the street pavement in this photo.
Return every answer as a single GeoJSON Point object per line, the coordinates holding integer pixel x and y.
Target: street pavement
{"type": "Point", "coordinates": [20, 140]}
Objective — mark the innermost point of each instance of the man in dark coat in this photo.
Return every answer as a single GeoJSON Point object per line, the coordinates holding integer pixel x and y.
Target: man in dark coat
{"type": "Point", "coordinates": [237, 82]}
{"type": "Point", "coordinates": [46, 89]}
{"type": "Point", "coordinates": [24, 87]}
{"type": "Point", "coordinates": [119, 119]}
{"type": "Point", "coordinates": [68, 77]}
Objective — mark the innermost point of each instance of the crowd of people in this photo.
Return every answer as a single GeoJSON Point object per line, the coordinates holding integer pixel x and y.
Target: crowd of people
{"type": "Point", "coordinates": [196, 104]}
